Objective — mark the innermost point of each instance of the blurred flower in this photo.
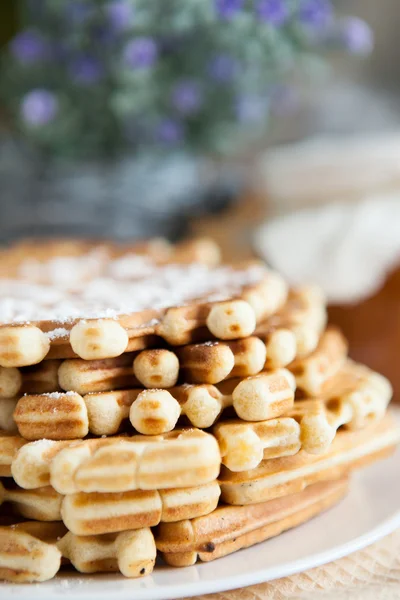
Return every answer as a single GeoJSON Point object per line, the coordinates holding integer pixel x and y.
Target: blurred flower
{"type": "Point", "coordinates": [169, 131]}
{"type": "Point", "coordinates": [251, 109]}
{"type": "Point", "coordinates": [120, 14]}
{"type": "Point", "coordinates": [357, 36]}
{"type": "Point", "coordinates": [29, 47]}
{"type": "Point", "coordinates": [39, 107]}
{"type": "Point", "coordinates": [274, 12]}
{"type": "Point", "coordinates": [228, 8]}
{"type": "Point", "coordinates": [316, 13]}
{"type": "Point", "coordinates": [141, 53]}
{"type": "Point", "coordinates": [86, 70]}
{"type": "Point", "coordinates": [187, 96]}
{"type": "Point", "coordinates": [223, 67]}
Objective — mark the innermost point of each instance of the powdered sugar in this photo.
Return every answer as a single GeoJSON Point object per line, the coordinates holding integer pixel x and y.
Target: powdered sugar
{"type": "Point", "coordinates": [57, 333]}
{"type": "Point", "coordinates": [58, 395]}
{"type": "Point", "coordinates": [45, 444]}
{"type": "Point", "coordinates": [127, 285]}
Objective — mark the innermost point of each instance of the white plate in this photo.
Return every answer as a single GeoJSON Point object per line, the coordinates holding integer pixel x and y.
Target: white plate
{"type": "Point", "coordinates": [369, 512]}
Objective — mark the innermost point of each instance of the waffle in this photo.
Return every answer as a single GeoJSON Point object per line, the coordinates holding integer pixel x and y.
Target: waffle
{"type": "Point", "coordinates": [25, 558]}
{"type": "Point", "coordinates": [132, 553]}
{"type": "Point", "coordinates": [60, 416]}
{"type": "Point", "coordinates": [99, 513]}
{"type": "Point", "coordinates": [7, 407]}
{"type": "Point", "coordinates": [210, 362]}
{"type": "Point", "coordinates": [41, 260]}
{"type": "Point", "coordinates": [41, 378]}
{"type": "Point", "coordinates": [122, 304]}
{"type": "Point", "coordinates": [312, 371]}
{"type": "Point", "coordinates": [9, 446]}
{"type": "Point", "coordinates": [368, 392]}
{"type": "Point", "coordinates": [10, 382]}
{"type": "Point", "coordinates": [288, 475]}
{"type": "Point", "coordinates": [310, 424]}
{"type": "Point", "coordinates": [183, 458]}
{"type": "Point", "coordinates": [41, 504]}
{"type": "Point", "coordinates": [84, 376]}
{"type": "Point", "coordinates": [230, 528]}
{"type": "Point", "coordinates": [295, 329]}
{"type": "Point", "coordinates": [37, 379]}
{"type": "Point", "coordinates": [262, 396]}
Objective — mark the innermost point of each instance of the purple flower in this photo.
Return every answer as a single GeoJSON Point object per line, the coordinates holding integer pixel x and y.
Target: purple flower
{"type": "Point", "coordinates": [251, 109]}
{"type": "Point", "coordinates": [223, 68]}
{"type": "Point", "coordinates": [169, 131]}
{"type": "Point", "coordinates": [357, 36]}
{"type": "Point", "coordinates": [316, 14]}
{"type": "Point", "coordinates": [141, 53]}
{"type": "Point", "coordinates": [274, 12]}
{"type": "Point", "coordinates": [119, 14]}
{"type": "Point", "coordinates": [39, 107]}
{"type": "Point", "coordinates": [29, 47]}
{"type": "Point", "coordinates": [86, 70]}
{"type": "Point", "coordinates": [228, 8]}
{"type": "Point", "coordinates": [187, 96]}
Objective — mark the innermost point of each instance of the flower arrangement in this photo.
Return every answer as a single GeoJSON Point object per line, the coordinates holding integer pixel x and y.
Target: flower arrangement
{"type": "Point", "coordinates": [94, 78]}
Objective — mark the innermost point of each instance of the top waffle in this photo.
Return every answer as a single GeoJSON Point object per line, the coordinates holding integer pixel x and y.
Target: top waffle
{"type": "Point", "coordinates": [95, 303]}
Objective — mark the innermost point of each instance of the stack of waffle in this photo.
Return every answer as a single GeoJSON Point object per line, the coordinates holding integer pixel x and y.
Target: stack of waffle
{"type": "Point", "coordinates": [153, 401]}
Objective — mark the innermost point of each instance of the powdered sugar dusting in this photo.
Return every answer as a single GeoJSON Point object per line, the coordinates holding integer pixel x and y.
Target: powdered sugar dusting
{"type": "Point", "coordinates": [45, 444]}
{"type": "Point", "coordinates": [130, 284]}
{"type": "Point", "coordinates": [57, 333]}
{"type": "Point", "coordinates": [58, 395]}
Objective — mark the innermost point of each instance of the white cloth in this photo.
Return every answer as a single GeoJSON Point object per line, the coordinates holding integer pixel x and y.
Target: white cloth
{"type": "Point", "coordinates": [347, 248]}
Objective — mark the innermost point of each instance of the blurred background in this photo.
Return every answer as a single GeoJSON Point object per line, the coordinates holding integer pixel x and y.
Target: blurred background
{"type": "Point", "coordinates": [270, 125]}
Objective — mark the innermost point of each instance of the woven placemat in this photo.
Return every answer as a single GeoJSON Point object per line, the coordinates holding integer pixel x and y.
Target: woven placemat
{"type": "Point", "coordinates": [370, 574]}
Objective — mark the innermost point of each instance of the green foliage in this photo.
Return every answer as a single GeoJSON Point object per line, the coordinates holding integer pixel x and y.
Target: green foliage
{"type": "Point", "coordinates": [92, 78]}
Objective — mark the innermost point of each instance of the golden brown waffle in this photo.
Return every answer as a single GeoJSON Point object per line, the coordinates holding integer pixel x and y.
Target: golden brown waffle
{"type": "Point", "coordinates": [25, 558]}
{"type": "Point", "coordinates": [37, 379]}
{"type": "Point", "coordinates": [182, 458]}
{"type": "Point", "coordinates": [41, 378]}
{"type": "Point", "coordinates": [9, 446]}
{"type": "Point", "coordinates": [26, 546]}
{"type": "Point", "coordinates": [288, 475]}
{"type": "Point", "coordinates": [295, 329]}
{"type": "Point", "coordinates": [309, 424]}
{"type": "Point", "coordinates": [210, 362]}
{"type": "Point", "coordinates": [84, 376]}
{"type": "Point", "coordinates": [312, 371]}
{"type": "Point", "coordinates": [156, 411]}
{"type": "Point", "coordinates": [230, 528]}
{"type": "Point", "coordinates": [41, 504]}
{"type": "Point", "coordinates": [7, 407]}
{"type": "Point", "coordinates": [34, 259]}
{"type": "Point", "coordinates": [102, 308]}
{"type": "Point", "coordinates": [133, 553]}
{"type": "Point", "coordinates": [59, 416]}
{"type": "Point", "coordinates": [100, 513]}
